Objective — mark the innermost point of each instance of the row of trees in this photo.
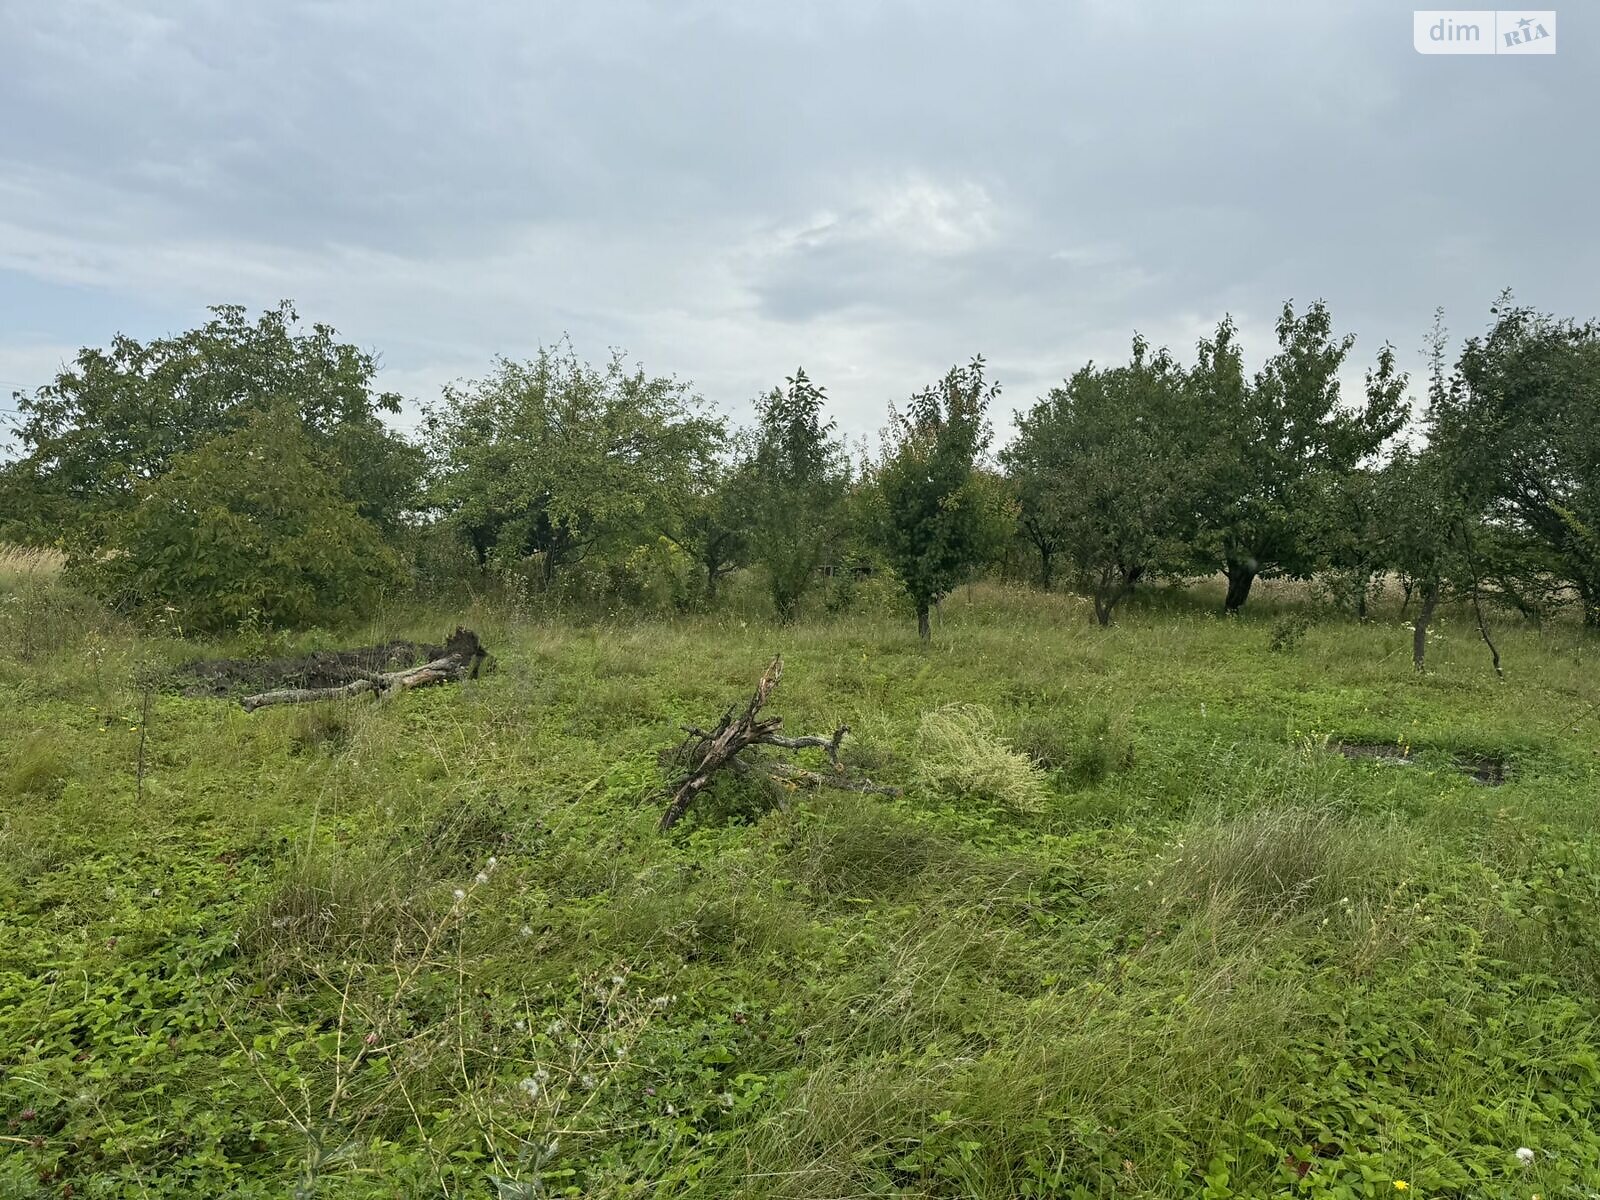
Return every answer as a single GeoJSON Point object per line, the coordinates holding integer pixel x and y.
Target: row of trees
{"type": "Point", "coordinates": [243, 471]}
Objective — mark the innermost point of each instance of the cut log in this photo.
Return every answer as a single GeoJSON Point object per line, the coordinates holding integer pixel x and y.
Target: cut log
{"type": "Point", "coordinates": [463, 658]}
{"type": "Point", "coordinates": [705, 753]}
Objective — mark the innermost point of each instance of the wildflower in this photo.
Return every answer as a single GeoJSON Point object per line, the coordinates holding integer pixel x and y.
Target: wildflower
{"type": "Point", "coordinates": [482, 878]}
{"type": "Point", "coordinates": [372, 1039]}
{"type": "Point", "coordinates": [726, 1099]}
{"type": "Point", "coordinates": [1525, 1156]}
{"type": "Point", "coordinates": [459, 894]}
{"type": "Point", "coordinates": [616, 981]}
{"type": "Point", "coordinates": [526, 931]}
{"type": "Point", "coordinates": [493, 862]}
{"type": "Point", "coordinates": [1400, 1185]}
{"type": "Point", "coordinates": [531, 1087]}
{"type": "Point", "coordinates": [588, 1082]}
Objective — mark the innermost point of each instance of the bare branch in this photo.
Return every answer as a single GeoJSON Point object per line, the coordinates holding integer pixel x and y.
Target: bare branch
{"type": "Point", "coordinates": [704, 754]}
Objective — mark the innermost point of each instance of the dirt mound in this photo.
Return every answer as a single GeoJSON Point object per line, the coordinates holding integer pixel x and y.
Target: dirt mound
{"type": "Point", "coordinates": [322, 668]}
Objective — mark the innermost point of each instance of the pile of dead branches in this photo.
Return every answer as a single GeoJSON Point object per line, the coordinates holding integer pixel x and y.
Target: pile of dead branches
{"type": "Point", "coordinates": [704, 753]}
{"type": "Point", "coordinates": [462, 658]}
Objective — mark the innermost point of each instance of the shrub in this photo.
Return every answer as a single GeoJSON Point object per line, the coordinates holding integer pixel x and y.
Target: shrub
{"type": "Point", "coordinates": [1288, 631]}
{"type": "Point", "coordinates": [251, 526]}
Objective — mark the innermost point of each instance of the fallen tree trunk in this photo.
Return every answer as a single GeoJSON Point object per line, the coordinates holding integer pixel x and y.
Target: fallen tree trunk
{"type": "Point", "coordinates": [705, 753]}
{"type": "Point", "coordinates": [463, 657]}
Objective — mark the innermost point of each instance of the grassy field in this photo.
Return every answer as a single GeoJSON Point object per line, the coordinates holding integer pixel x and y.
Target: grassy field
{"type": "Point", "coordinates": [1136, 927]}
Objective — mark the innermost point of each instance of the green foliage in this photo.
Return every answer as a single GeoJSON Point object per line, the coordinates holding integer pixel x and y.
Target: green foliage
{"type": "Point", "coordinates": [552, 458]}
{"type": "Point", "coordinates": [791, 489]}
{"type": "Point", "coordinates": [1100, 464]}
{"type": "Point", "coordinates": [248, 528]}
{"type": "Point", "coordinates": [1262, 452]}
{"type": "Point", "coordinates": [119, 419]}
{"type": "Point", "coordinates": [1240, 962]}
{"type": "Point", "coordinates": [711, 524]}
{"type": "Point", "coordinates": [1288, 631]}
{"type": "Point", "coordinates": [935, 523]}
{"type": "Point", "coordinates": [1519, 420]}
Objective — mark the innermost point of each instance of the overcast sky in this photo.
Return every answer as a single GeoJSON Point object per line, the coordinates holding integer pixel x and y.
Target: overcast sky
{"type": "Point", "coordinates": [728, 190]}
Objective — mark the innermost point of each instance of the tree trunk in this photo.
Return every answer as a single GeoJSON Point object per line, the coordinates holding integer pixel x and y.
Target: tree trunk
{"type": "Point", "coordinates": [1047, 568]}
{"type": "Point", "coordinates": [1240, 577]}
{"type": "Point", "coordinates": [923, 630]}
{"type": "Point", "coordinates": [712, 575]}
{"type": "Point", "coordinates": [1102, 609]}
{"type": "Point", "coordinates": [1419, 627]}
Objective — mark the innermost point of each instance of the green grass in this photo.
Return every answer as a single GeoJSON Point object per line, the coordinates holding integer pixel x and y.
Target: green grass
{"type": "Point", "coordinates": [1132, 929]}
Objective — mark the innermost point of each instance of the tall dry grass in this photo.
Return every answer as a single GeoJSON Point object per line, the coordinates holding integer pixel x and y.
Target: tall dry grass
{"type": "Point", "coordinates": [30, 561]}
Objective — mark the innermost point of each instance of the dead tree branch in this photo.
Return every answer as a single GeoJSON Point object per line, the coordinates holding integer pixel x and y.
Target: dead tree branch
{"type": "Point", "coordinates": [704, 753]}
{"type": "Point", "coordinates": [463, 657]}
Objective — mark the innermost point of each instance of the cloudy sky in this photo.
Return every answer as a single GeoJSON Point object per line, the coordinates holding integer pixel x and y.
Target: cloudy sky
{"type": "Point", "coordinates": [726, 190]}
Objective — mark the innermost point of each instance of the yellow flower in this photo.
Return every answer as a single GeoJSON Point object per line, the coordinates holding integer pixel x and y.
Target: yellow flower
{"type": "Point", "coordinates": [1400, 1185]}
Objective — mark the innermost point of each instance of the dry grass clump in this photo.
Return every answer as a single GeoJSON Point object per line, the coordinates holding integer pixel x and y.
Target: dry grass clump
{"type": "Point", "coordinates": [961, 754]}
{"type": "Point", "coordinates": [39, 562]}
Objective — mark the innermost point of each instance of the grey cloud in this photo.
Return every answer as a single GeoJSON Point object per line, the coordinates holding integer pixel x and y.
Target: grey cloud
{"type": "Point", "coordinates": [727, 189]}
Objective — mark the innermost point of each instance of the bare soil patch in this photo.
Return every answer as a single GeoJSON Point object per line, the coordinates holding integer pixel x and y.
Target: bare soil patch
{"type": "Point", "coordinates": [1486, 769]}
{"type": "Point", "coordinates": [220, 677]}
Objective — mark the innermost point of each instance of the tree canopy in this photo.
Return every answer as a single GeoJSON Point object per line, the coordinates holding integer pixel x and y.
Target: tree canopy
{"type": "Point", "coordinates": [933, 513]}
{"type": "Point", "coordinates": [1101, 475]}
{"type": "Point", "coordinates": [553, 457]}
{"type": "Point", "coordinates": [792, 487]}
{"type": "Point", "coordinates": [120, 417]}
{"type": "Point", "coordinates": [248, 528]}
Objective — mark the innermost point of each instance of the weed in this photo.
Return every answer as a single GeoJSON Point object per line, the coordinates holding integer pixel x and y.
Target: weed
{"type": "Point", "coordinates": [961, 755]}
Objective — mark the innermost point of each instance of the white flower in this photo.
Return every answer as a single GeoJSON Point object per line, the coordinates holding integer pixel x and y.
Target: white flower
{"type": "Point", "coordinates": [587, 1081]}
{"type": "Point", "coordinates": [460, 895]}
{"type": "Point", "coordinates": [526, 931]}
{"type": "Point", "coordinates": [493, 862]}
{"type": "Point", "coordinates": [482, 877]}
{"type": "Point", "coordinates": [1525, 1156]}
{"type": "Point", "coordinates": [531, 1087]}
